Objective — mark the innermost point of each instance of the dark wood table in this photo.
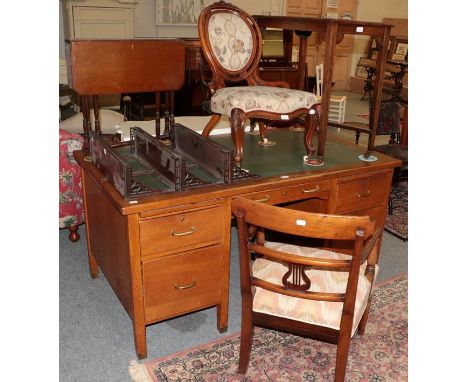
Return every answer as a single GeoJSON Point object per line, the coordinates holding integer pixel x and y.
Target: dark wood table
{"type": "Point", "coordinates": [159, 253]}
{"type": "Point", "coordinates": [331, 32]}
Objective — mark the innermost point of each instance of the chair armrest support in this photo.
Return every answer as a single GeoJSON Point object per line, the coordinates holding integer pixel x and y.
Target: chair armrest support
{"type": "Point", "coordinates": [370, 244]}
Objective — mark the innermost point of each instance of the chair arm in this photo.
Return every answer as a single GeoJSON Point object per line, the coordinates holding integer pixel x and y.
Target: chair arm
{"type": "Point", "coordinates": [370, 244]}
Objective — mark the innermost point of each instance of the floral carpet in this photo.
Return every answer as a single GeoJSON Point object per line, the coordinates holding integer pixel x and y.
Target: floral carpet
{"type": "Point", "coordinates": [397, 222]}
{"type": "Point", "coordinates": [381, 355]}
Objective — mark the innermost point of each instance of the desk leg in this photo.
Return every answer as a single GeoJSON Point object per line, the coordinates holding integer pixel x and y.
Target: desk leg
{"type": "Point", "coordinates": [93, 265]}
{"type": "Point", "coordinates": [139, 334]}
{"type": "Point", "coordinates": [222, 314]}
{"type": "Point", "coordinates": [222, 309]}
{"type": "Point", "coordinates": [138, 317]}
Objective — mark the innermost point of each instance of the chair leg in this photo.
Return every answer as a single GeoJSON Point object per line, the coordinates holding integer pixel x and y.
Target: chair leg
{"type": "Point", "coordinates": [362, 324]}
{"type": "Point", "coordinates": [246, 340]}
{"type": "Point", "coordinates": [211, 124]}
{"type": "Point", "coordinates": [237, 133]}
{"type": "Point", "coordinates": [390, 205]}
{"type": "Point", "coordinates": [74, 236]}
{"type": "Point", "coordinates": [311, 124]}
{"type": "Point", "coordinates": [262, 128]}
{"type": "Point", "coordinates": [358, 134]}
{"type": "Point", "coordinates": [252, 127]}
{"type": "Point", "coordinates": [342, 357]}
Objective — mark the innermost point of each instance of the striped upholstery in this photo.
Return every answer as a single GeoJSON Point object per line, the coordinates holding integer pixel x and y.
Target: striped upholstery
{"type": "Point", "coordinates": [315, 312]}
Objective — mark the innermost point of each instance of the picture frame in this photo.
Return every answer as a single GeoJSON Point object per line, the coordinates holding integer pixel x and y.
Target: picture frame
{"type": "Point", "coordinates": [179, 12]}
{"type": "Point", "coordinates": [361, 72]}
{"type": "Point", "coordinates": [401, 49]}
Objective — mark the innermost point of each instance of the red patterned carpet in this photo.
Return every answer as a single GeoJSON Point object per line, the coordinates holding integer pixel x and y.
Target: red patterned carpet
{"type": "Point", "coordinates": [381, 355]}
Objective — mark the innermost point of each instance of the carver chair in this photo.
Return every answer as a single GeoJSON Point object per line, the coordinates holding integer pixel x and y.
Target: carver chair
{"type": "Point", "coordinates": [232, 44]}
{"type": "Point", "coordinates": [306, 290]}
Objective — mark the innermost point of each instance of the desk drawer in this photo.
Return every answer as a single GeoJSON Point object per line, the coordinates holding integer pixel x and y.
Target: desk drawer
{"type": "Point", "coordinates": [181, 283]}
{"type": "Point", "coordinates": [288, 194]}
{"type": "Point", "coordinates": [182, 231]}
{"type": "Point", "coordinates": [361, 193]}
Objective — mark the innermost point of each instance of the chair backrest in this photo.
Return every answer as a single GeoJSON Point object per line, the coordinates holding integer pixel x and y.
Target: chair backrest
{"type": "Point", "coordinates": [231, 42]}
{"type": "Point", "coordinates": [319, 79]}
{"type": "Point", "coordinates": [260, 216]}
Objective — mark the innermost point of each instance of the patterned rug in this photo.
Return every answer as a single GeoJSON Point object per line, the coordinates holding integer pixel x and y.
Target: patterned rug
{"type": "Point", "coordinates": [397, 222]}
{"type": "Point", "coordinates": [381, 355]}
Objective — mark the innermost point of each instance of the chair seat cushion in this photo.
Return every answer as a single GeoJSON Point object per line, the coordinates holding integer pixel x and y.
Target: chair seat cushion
{"type": "Point", "coordinates": [321, 313]}
{"type": "Point", "coordinates": [264, 98]}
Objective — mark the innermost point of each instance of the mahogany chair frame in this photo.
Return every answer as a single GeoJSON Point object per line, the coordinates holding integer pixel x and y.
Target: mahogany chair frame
{"type": "Point", "coordinates": [249, 74]}
{"type": "Point", "coordinates": [256, 217]}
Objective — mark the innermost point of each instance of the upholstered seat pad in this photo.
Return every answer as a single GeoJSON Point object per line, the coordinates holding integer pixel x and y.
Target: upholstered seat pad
{"type": "Point", "coordinates": [310, 311]}
{"type": "Point", "coordinates": [265, 98]}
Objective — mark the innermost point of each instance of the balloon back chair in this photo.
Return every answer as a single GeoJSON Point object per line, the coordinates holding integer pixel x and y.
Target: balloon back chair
{"type": "Point", "coordinates": [310, 291]}
{"type": "Point", "coordinates": [232, 44]}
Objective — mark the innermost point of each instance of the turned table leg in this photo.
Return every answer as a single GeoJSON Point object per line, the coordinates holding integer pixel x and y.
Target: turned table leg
{"type": "Point", "coordinates": [74, 236]}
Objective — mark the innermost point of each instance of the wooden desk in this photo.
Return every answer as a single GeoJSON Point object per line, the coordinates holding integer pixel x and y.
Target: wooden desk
{"type": "Point", "coordinates": [159, 254]}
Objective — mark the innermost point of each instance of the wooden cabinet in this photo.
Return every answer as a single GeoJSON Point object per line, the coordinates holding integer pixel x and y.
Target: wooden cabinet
{"type": "Point", "coordinates": [99, 19]}
{"type": "Point", "coordinates": [315, 47]}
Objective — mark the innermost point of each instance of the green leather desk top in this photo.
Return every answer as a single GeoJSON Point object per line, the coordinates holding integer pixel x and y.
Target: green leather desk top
{"type": "Point", "coordinates": [285, 157]}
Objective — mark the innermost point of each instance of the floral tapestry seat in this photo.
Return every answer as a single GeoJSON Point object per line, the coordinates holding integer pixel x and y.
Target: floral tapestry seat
{"type": "Point", "coordinates": [260, 98]}
{"type": "Point", "coordinates": [71, 212]}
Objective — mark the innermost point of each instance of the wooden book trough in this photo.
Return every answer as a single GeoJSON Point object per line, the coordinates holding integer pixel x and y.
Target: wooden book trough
{"type": "Point", "coordinates": [148, 165]}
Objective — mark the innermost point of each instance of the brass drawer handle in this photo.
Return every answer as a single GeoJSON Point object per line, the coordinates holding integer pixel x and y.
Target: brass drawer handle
{"type": "Point", "coordinates": [316, 189]}
{"type": "Point", "coordinates": [364, 194]}
{"type": "Point", "coordinates": [174, 233]}
{"type": "Point", "coordinates": [194, 282]}
{"type": "Point", "coordinates": [263, 199]}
